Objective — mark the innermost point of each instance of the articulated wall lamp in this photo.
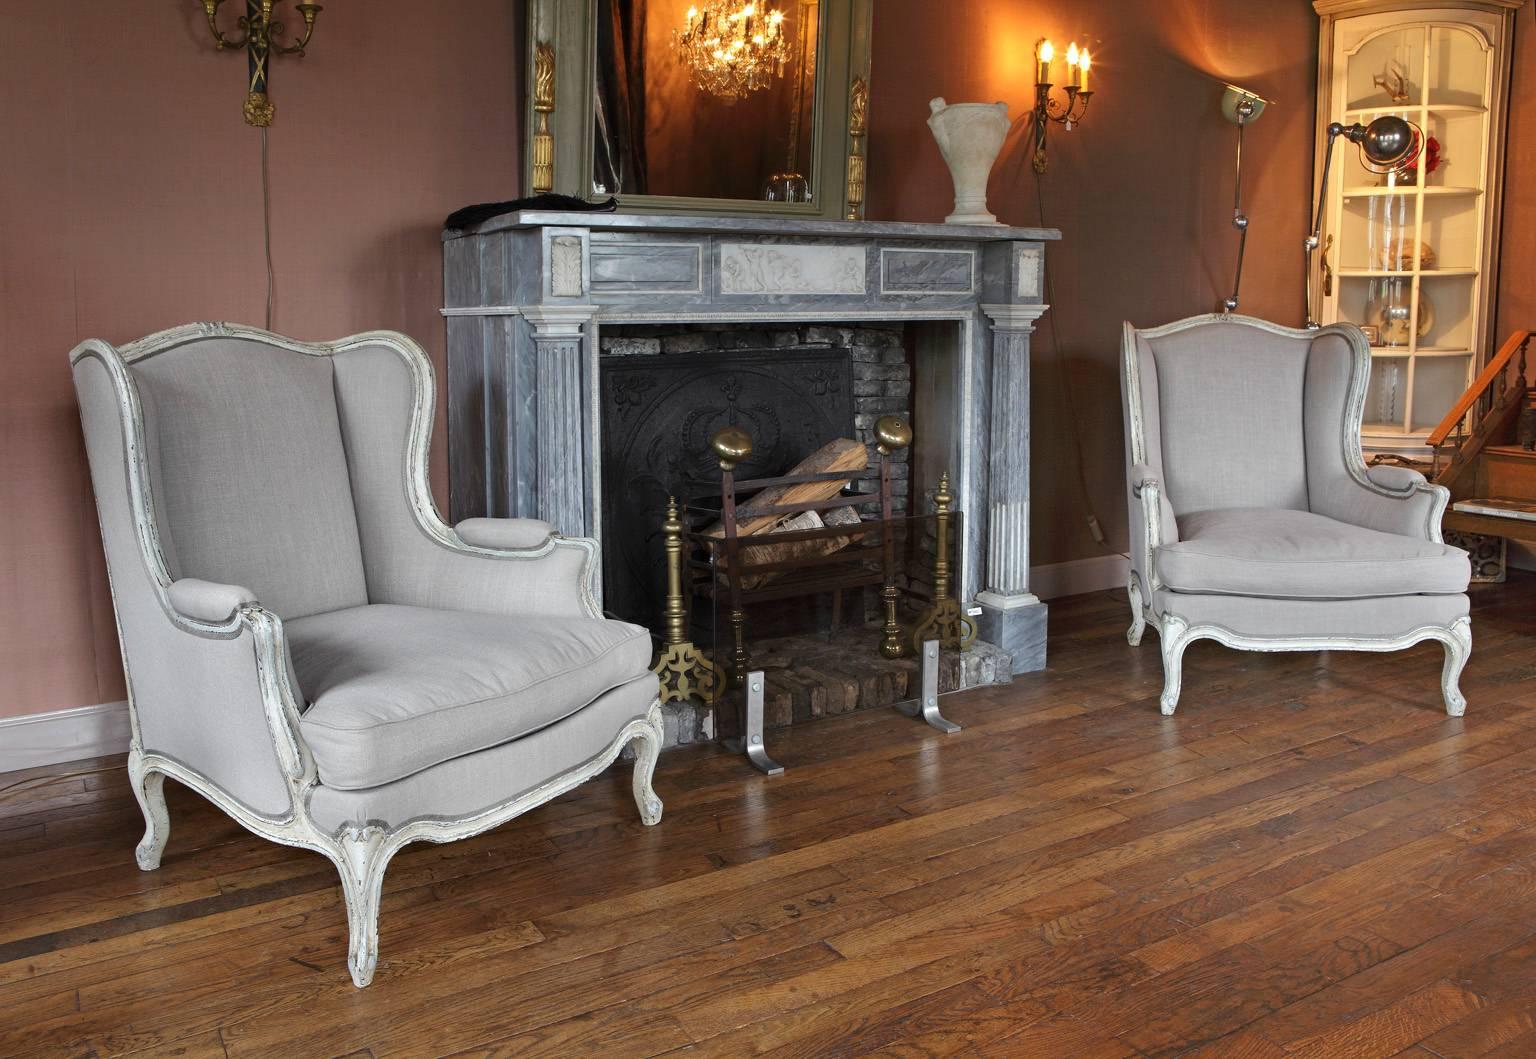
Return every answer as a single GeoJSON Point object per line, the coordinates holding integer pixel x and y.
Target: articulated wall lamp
{"type": "Point", "coordinates": [262, 39]}
{"type": "Point", "coordinates": [1240, 107]}
{"type": "Point", "coordinates": [1388, 144]}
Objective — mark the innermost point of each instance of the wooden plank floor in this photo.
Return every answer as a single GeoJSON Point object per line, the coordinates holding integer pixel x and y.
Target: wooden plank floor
{"type": "Point", "coordinates": [1309, 860]}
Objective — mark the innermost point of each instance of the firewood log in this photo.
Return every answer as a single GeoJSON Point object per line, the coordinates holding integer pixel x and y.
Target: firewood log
{"type": "Point", "coordinates": [844, 454]}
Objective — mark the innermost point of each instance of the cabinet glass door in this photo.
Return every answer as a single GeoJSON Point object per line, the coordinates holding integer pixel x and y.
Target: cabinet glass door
{"type": "Point", "coordinates": [1403, 250]}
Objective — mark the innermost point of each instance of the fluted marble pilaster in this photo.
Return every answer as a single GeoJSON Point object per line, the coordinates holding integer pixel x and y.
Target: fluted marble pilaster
{"type": "Point", "coordinates": [561, 412]}
{"type": "Point", "coordinates": [1012, 616]}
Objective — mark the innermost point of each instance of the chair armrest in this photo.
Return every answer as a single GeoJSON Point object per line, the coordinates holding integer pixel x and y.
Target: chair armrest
{"type": "Point", "coordinates": [1392, 500]}
{"type": "Point", "coordinates": [1157, 524]}
{"type": "Point", "coordinates": [504, 534]}
{"type": "Point", "coordinates": [207, 600]}
{"type": "Point", "coordinates": [1397, 479]}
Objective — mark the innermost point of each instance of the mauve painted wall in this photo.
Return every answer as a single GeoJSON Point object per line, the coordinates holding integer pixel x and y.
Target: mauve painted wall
{"type": "Point", "coordinates": [1142, 192]}
{"type": "Point", "coordinates": [129, 202]}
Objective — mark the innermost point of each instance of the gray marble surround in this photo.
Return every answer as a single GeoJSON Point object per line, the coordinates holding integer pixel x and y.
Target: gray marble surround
{"type": "Point", "coordinates": [528, 293]}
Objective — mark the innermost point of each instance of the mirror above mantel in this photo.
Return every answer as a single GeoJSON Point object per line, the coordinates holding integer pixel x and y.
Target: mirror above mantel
{"type": "Point", "coordinates": [726, 107]}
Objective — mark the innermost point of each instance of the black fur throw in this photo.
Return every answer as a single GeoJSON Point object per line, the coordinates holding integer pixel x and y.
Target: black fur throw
{"type": "Point", "coordinates": [469, 215]}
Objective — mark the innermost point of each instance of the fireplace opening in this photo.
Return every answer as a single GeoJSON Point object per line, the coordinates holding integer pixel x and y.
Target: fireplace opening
{"type": "Point", "coordinates": [667, 389]}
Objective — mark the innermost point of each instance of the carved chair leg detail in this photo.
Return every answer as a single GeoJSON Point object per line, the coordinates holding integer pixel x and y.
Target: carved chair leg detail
{"type": "Point", "coordinates": [1174, 640]}
{"type": "Point", "coordinates": [149, 789]}
{"type": "Point", "coordinates": [647, 743]}
{"type": "Point", "coordinates": [1458, 648]}
{"type": "Point", "coordinates": [1138, 615]}
{"type": "Point", "coordinates": [361, 857]}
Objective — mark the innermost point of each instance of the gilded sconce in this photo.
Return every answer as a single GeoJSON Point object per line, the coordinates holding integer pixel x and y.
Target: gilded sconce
{"type": "Point", "coordinates": [261, 35]}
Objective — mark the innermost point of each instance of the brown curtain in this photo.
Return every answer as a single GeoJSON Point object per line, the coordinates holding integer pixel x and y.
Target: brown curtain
{"type": "Point", "coordinates": [620, 162]}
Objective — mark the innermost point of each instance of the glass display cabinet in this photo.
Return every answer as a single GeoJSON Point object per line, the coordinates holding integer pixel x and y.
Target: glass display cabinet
{"type": "Point", "coordinates": [1411, 255]}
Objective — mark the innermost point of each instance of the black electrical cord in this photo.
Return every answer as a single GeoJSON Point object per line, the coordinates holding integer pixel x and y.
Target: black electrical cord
{"type": "Point", "coordinates": [266, 225]}
{"type": "Point", "coordinates": [1094, 526]}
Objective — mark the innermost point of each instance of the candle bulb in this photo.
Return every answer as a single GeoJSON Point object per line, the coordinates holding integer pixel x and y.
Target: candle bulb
{"type": "Point", "coordinates": [1045, 54]}
{"type": "Point", "coordinates": [1082, 67]}
{"type": "Point", "coordinates": [1072, 70]}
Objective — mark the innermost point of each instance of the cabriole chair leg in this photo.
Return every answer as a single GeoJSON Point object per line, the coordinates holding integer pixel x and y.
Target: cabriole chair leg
{"type": "Point", "coordinates": [1173, 643]}
{"type": "Point", "coordinates": [361, 857]}
{"type": "Point", "coordinates": [149, 789]}
{"type": "Point", "coordinates": [1458, 648]}
{"type": "Point", "coordinates": [1138, 615]}
{"type": "Point", "coordinates": [647, 744]}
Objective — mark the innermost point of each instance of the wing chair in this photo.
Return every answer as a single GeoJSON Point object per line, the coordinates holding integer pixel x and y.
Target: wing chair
{"type": "Point", "coordinates": [306, 643]}
{"type": "Point", "coordinates": [1253, 518]}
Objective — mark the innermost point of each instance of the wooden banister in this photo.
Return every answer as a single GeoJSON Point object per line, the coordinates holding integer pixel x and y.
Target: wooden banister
{"type": "Point", "coordinates": [1514, 344]}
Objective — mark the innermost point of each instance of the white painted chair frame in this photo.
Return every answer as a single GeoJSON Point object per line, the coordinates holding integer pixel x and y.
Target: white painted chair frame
{"type": "Point", "coordinates": [1174, 632]}
{"type": "Point", "coordinates": [360, 852]}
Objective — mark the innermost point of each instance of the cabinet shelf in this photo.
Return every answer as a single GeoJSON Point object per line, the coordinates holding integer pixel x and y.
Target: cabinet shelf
{"type": "Point", "coordinates": [1401, 108]}
{"type": "Point", "coordinates": [1433, 191]}
{"type": "Point", "coordinates": [1422, 351]}
{"type": "Point", "coordinates": [1428, 273]}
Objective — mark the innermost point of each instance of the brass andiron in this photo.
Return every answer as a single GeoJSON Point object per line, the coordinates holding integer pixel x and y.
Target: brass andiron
{"type": "Point", "coordinates": [685, 671]}
{"type": "Point", "coordinates": [892, 433]}
{"type": "Point", "coordinates": [732, 445]}
{"type": "Point", "coordinates": [262, 37]}
{"type": "Point", "coordinates": [945, 621]}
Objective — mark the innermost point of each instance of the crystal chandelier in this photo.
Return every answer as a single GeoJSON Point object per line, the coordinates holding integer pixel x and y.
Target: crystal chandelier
{"type": "Point", "coordinates": [732, 48]}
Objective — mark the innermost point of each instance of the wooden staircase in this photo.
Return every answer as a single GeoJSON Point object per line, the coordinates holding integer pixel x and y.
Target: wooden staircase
{"type": "Point", "coordinates": [1485, 449]}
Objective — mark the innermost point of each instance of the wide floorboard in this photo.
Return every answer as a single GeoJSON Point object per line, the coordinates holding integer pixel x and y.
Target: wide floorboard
{"type": "Point", "coordinates": [1310, 859]}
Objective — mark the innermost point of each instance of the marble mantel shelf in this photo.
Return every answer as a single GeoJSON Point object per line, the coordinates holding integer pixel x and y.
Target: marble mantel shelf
{"type": "Point", "coordinates": [527, 293]}
{"type": "Point", "coordinates": [643, 222]}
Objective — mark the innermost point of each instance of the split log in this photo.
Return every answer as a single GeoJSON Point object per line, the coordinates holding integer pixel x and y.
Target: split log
{"type": "Point", "coordinates": [844, 454]}
{"type": "Point", "coordinates": [759, 554]}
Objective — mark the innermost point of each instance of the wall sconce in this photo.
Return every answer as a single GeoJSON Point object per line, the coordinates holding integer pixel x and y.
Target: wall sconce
{"type": "Point", "coordinates": [1240, 107]}
{"type": "Point", "coordinates": [1049, 109]}
{"type": "Point", "coordinates": [262, 39]}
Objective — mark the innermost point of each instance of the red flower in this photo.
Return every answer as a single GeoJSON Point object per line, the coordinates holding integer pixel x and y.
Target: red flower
{"type": "Point", "coordinates": [1431, 156]}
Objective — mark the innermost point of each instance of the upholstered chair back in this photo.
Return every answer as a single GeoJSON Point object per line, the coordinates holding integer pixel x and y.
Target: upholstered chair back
{"type": "Point", "coordinates": [1235, 415]}
{"type": "Point", "coordinates": [249, 474]}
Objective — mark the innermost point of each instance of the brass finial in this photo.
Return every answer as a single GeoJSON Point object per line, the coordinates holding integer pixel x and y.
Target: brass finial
{"type": "Point", "coordinates": [732, 445]}
{"type": "Point", "coordinates": [943, 498]}
{"type": "Point", "coordinates": [893, 432]}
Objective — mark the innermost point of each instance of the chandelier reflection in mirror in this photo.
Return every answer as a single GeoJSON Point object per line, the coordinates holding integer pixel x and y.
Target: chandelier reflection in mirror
{"type": "Point", "coordinates": [732, 48]}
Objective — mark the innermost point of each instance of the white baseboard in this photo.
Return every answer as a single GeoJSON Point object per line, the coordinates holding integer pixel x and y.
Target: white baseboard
{"type": "Point", "coordinates": [37, 739]}
{"type": "Point", "coordinates": [1080, 575]}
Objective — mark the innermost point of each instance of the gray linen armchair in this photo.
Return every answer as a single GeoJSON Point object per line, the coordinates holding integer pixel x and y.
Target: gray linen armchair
{"type": "Point", "coordinates": [1254, 520]}
{"type": "Point", "coordinates": [306, 644]}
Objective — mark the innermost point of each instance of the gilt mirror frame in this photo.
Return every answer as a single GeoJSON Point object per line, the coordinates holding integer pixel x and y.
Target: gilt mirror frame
{"type": "Point", "coordinates": [559, 128]}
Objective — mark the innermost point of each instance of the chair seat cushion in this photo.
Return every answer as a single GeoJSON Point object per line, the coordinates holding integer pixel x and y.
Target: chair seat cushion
{"type": "Point", "coordinates": [1284, 554]}
{"type": "Point", "coordinates": [394, 690]}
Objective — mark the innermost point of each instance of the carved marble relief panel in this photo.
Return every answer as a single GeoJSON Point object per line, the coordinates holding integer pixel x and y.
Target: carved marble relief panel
{"type": "Point", "coordinates": [791, 268]}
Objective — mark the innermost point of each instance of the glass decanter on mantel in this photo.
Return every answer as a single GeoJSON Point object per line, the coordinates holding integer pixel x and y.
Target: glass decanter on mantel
{"type": "Point", "coordinates": [1411, 255]}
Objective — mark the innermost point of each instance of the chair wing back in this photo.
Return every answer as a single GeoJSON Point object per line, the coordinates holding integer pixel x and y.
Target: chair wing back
{"type": "Point", "coordinates": [249, 473]}
{"type": "Point", "coordinates": [384, 393]}
{"type": "Point", "coordinates": [1337, 373]}
{"type": "Point", "coordinates": [1219, 404]}
{"type": "Point", "coordinates": [185, 703]}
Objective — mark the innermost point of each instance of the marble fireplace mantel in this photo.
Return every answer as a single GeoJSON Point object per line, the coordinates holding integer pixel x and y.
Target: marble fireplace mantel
{"type": "Point", "coordinates": [527, 294]}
